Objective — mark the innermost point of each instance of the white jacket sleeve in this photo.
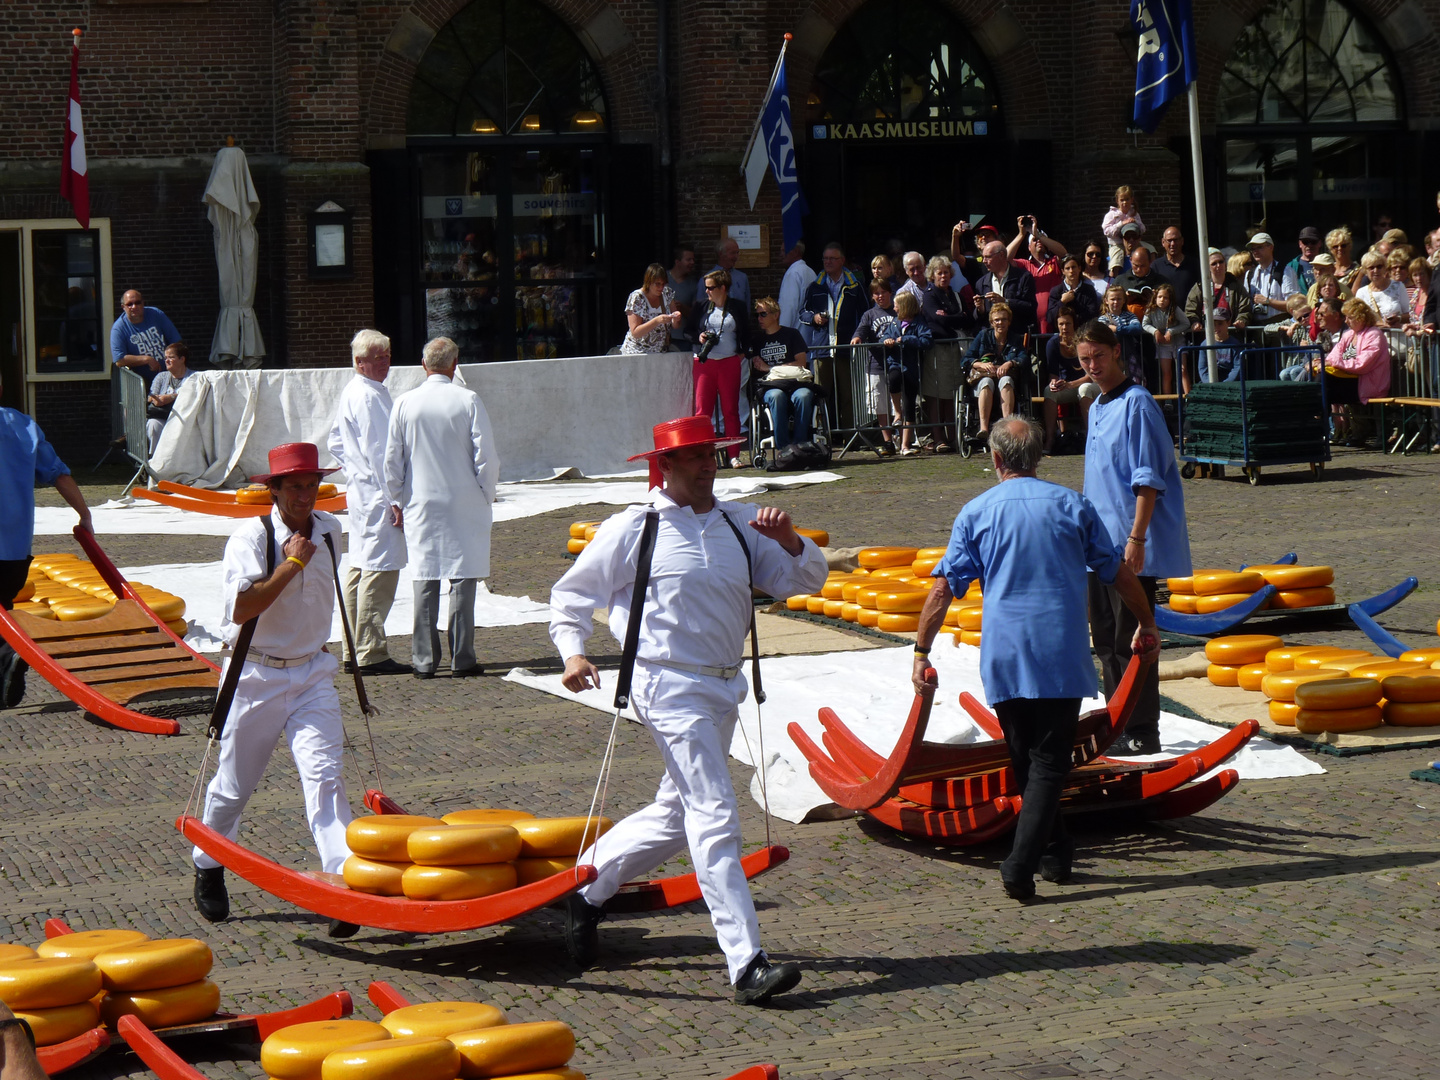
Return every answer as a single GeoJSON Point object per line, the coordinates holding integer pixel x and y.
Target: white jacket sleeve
{"type": "Point", "coordinates": [603, 575]}
{"type": "Point", "coordinates": [487, 461]}
{"type": "Point", "coordinates": [395, 460]}
{"type": "Point", "coordinates": [336, 443]}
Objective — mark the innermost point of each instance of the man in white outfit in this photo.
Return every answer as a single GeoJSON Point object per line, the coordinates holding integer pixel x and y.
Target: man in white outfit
{"type": "Point", "coordinates": [797, 279]}
{"type": "Point", "coordinates": [687, 682]}
{"type": "Point", "coordinates": [377, 544]}
{"type": "Point", "coordinates": [287, 684]}
{"type": "Point", "coordinates": [440, 475]}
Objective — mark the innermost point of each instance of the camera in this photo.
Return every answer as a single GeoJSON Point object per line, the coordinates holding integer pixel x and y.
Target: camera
{"type": "Point", "coordinates": [704, 352]}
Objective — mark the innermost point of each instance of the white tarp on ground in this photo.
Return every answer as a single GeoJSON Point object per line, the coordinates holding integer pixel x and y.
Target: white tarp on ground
{"type": "Point", "coordinates": [512, 501]}
{"type": "Point", "coordinates": [588, 413]}
{"type": "Point", "coordinates": [199, 585]}
{"type": "Point", "coordinates": [870, 691]}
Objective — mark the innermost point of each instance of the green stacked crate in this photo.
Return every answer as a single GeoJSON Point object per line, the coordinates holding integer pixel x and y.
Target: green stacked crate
{"type": "Point", "coordinates": [1283, 421]}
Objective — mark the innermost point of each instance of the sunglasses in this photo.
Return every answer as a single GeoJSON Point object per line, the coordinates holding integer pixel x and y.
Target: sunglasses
{"type": "Point", "coordinates": [1092, 254]}
{"type": "Point", "coordinates": [713, 288]}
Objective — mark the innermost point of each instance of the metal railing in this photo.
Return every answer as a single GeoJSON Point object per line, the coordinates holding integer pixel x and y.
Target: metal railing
{"type": "Point", "coordinates": [1414, 392]}
{"type": "Point", "coordinates": [132, 410]}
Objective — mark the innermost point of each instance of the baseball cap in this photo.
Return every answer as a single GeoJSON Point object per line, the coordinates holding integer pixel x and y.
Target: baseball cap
{"type": "Point", "coordinates": [1323, 259]}
{"type": "Point", "coordinates": [1261, 238]}
{"type": "Point", "coordinates": [1309, 232]}
{"type": "Point", "coordinates": [987, 228]}
{"type": "Point", "coordinates": [1129, 227]}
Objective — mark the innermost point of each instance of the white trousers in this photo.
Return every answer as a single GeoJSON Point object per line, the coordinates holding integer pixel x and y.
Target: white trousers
{"type": "Point", "coordinates": [301, 703]}
{"type": "Point", "coordinates": [692, 718]}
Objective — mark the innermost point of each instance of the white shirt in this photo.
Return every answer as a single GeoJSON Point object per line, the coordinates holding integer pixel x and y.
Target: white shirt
{"type": "Point", "coordinates": [298, 622]}
{"type": "Point", "coordinates": [797, 279]}
{"type": "Point", "coordinates": [1269, 282]}
{"type": "Point", "coordinates": [698, 606]}
{"type": "Point", "coordinates": [917, 291]}
{"type": "Point", "coordinates": [441, 468]}
{"type": "Point", "coordinates": [357, 443]}
{"type": "Point", "coordinates": [1388, 302]}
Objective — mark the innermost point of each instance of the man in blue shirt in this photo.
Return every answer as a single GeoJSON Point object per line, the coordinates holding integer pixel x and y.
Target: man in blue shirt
{"type": "Point", "coordinates": [139, 337]}
{"type": "Point", "coordinates": [1030, 543]}
{"type": "Point", "coordinates": [1132, 480]}
{"type": "Point", "coordinates": [25, 458]}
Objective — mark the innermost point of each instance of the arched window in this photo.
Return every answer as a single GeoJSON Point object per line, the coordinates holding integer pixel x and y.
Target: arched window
{"type": "Point", "coordinates": [901, 61]}
{"type": "Point", "coordinates": [506, 67]}
{"type": "Point", "coordinates": [1307, 62]}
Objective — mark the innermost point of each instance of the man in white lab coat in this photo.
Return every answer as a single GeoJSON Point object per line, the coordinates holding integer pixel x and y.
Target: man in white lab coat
{"type": "Point", "coordinates": [377, 544]}
{"type": "Point", "coordinates": [440, 474]}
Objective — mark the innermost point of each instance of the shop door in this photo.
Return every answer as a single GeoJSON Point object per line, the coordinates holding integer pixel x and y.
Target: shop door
{"type": "Point", "coordinates": [12, 345]}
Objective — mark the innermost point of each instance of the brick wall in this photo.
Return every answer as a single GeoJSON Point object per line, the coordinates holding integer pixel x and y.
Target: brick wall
{"type": "Point", "coordinates": [322, 316]}
{"type": "Point", "coordinates": [75, 417]}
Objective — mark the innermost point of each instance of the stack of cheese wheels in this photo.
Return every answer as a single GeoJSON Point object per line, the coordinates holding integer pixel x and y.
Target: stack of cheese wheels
{"type": "Point", "coordinates": [379, 851]}
{"type": "Point", "coordinates": [892, 604]}
{"type": "Point", "coordinates": [162, 983]}
{"type": "Point", "coordinates": [1239, 659]}
{"type": "Point", "coordinates": [259, 494]}
{"type": "Point", "coordinates": [581, 533]}
{"type": "Point", "coordinates": [52, 994]}
{"type": "Point", "coordinates": [1215, 590]}
{"type": "Point", "coordinates": [534, 1051]}
{"type": "Point", "coordinates": [835, 581]}
{"type": "Point", "coordinates": [74, 590]}
{"type": "Point", "coordinates": [460, 862]}
{"type": "Point", "coordinates": [1182, 592]}
{"type": "Point", "coordinates": [1411, 700]}
{"type": "Point", "coordinates": [1337, 705]}
{"type": "Point", "coordinates": [926, 559]}
{"type": "Point", "coordinates": [1298, 586]}
{"type": "Point", "coordinates": [298, 1052]}
{"type": "Point", "coordinates": [550, 845]}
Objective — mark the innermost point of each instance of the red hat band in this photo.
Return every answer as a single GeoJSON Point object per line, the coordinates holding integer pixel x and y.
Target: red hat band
{"type": "Point", "coordinates": [290, 459]}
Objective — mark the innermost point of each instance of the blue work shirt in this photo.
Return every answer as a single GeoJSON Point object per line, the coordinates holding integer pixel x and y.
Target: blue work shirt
{"type": "Point", "coordinates": [148, 337]}
{"type": "Point", "coordinates": [25, 457]}
{"type": "Point", "coordinates": [1029, 543]}
{"type": "Point", "coordinates": [1128, 446]}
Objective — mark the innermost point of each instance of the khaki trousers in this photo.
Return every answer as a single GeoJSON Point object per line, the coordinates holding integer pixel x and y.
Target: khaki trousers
{"type": "Point", "coordinates": [368, 596]}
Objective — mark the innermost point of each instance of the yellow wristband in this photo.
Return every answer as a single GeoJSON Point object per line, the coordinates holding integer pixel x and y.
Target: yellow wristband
{"type": "Point", "coordinates": [297, 562]}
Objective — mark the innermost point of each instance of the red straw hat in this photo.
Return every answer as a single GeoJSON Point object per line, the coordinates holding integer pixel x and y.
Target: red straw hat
{"type": "Point", "coordinates": [686, 431]}
{"type": "Point", "coordinates": [290, 459]}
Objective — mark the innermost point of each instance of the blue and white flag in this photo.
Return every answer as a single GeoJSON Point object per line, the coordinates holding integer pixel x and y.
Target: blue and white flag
{"type": "Point", "coordinates": [773, 145]}
{"type": "Point", "coordinates": [1165, 65]}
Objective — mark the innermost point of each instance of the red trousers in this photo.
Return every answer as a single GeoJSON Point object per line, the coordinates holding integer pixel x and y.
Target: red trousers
{"type": "Point", "coordinates": [719, 376]}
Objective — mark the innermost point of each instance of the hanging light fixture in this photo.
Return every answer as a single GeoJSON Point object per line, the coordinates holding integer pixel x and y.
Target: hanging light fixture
{"type": "Point", "coordinates": [531, 122]}
{"type": "Point", "coordinates": [483, 125]}
{"type": "Point", "coordinates": [587, 118]}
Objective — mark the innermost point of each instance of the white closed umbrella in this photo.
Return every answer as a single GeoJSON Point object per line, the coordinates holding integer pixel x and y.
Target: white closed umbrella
{"type": "Point", "coordinates": [232, 204]}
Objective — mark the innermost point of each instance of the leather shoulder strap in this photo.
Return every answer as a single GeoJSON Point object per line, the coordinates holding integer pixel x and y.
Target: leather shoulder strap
{"type": "Point", "coordinates": [225, 696]}
{"type": "Point", "coordinates": [637, 602]}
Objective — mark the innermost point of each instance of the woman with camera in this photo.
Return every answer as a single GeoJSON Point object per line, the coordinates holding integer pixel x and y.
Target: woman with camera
{"type": "Point", "coordinates": [721, 327]}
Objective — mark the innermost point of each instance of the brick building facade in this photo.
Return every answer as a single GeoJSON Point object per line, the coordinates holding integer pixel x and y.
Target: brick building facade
{"type": "Point", "coordinates": [322, 96]}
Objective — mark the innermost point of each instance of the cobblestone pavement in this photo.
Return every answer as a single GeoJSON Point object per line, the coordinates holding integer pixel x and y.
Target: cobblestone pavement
{"type": "Point", "coordinates": [1290, 930]}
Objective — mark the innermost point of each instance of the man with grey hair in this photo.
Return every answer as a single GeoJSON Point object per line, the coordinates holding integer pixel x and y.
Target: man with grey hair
{"type": "Point", "coordinates": [440, 474]}
{"type": "Point", "coordinates": [915, 282]}
{"type": "Point", "coordinates": [377, 545]}
{"type": "Point", "coordinates": [1031, 542]}
{"type": "Point", "coordinates": [727, 252]}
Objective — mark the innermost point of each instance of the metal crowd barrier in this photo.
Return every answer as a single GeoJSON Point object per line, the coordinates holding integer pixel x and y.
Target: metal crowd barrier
{"type": "Point", "coordinates": [132, 410]}
{"type": "Point", "coordinates": [1414, 393]}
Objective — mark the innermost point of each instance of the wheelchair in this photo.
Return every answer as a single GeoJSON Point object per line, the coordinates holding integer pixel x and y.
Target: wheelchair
{"type": "Point", "coordinates": [967, 411]}
{"type": "Point", "coordinates": [762, 430]}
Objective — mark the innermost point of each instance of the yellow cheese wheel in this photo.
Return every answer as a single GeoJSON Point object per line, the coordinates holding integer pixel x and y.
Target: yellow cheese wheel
{"type": "Point", "coordinates": [1216, 582]}
{"type": "Point", "coordinates": [1411, 689]}
{"type": "Point", "coordinates": [63, 1022]}
{"type": "Point", "coordinates": [798, 603]}
{"type": "Point", "coordinates": [1338, 694]}
{"type": "Point", "coordinates": [76, 572]}
{"type": "Point", "coordinates": [384, 836]}
{"type": "Point", "coordinates": [924, 567]}
{"type": "Point", "coordinates": [40, 611]}
{"type": "Point", "coordinates": [415, 1058]}
{"type": "Point", "coordinates": [87, 944]}
{"type": "Point", "coordinates": [253, 495]}
{"type": "Point", "coordinates": [1347, 664]}
{"type": "Point", "coordinates": [514, 1048]}
{"type": "Point", "coordinates": [1280, 685]}
{"type": "Point", "coordinates": [877, 558]}
{"type": "Point", "coordinates": [892, 573]}
{"type": "Point", "coordinates": [463, 845]}
{"type": "Point", "coordinates": [896, 622]}
{"type": "Point", "coordinates": [564, 1072]}
{"type": "Point", "coordinates": [1412, 713]}
{"type": "Point", "coordinates": [849, 611]}
{"type": "Point", "coordinates": [1385, 668]}
{"type": "Point", "coordinates": [1313, 659]}
{"type": "Point", "coordinates": [179, 627]}
{"type": "Point", "coordinates": [1183, 585]}
{"type": "Point", "coordinates": [49, 561]}
{"type": "Point", "coordinates": [1283, 713]}
{"type": "Point", "coordinates": [970, 637]}
{"type": "Point", "coordinates": [327, 491]}
{"type": "Point", "coordinates": [574, 546]}
{"type": "Point", "coordinates": [1251, 676]}
{"type": "Point", "coordinates": [457, 882]}
{"type": "Point", "coordinates": [834, 586]}
{"type": "Point", "coordinates": [529, 871]}
{"type": "Point", "coordinates": [971, 618]}
{"type": "Point", "coordinates": [833, 608]}
{"type": "Point", "coordinates": [1420, 656]}
{"type": "Point", "coordinates": [1223, 674]}
{"type": "Point", "coordinates": [851, 588]}
{"type": "Point", "coordinates": [437, 1019]}
{"type": "Point", "coordinates": [972, 591]}
{"type": "Point", "coordinates": [167, 1006]}
{"type": "Point", "coordinates": [80, 610]}
{"type": "Point", "coordinates": [1314, 721]}
{"type": "Point", "coordinates": [374, 876]}
{"type": "Point", "coordinates": [1204, 605]}
{"type": "Point", "coordinates": [486, 816]}
{"type": "Point", "coordinates": [815, 605]}
{"type": "Point", "coordinates": [559, 836]}
{"type": "Point", "coordinates": [904, 600]}
{"type": "Point", "coordinates": [167, 606]}
{"type": "Point", "coordinates": [952, 613]}
{"type": "Point", "coordinates": [1185, 603]}
{"type": "Point", "coordinates": [151, 965]}
{"type": "Point", "coordinates": [1303, 598]}
{"type": "Point", "coordinates": [1290, 578]}
{"type": "Point", "coordinates": [296, 1052]}
{"type": "Point", "coordinates": [868, 594]}
{"type": "Point", "coordinates": [819, 536]}
{"type": "Point", "coordinates": [16, 952]}
{"type": "Point", "coordinates": [96, 587]}
{"type": "Point", "coordinates": [590, 531]}
{"type": "Point", "coordinates": [1240, 649]}
{"type": "Point", "coordinates": [26, 592]}
{"type": "Point", "coordinates": [868, 617]}
{"type": "Point", "coordinates": [930, 553]}
{"type": "Point", "coordinates": [577, 528]}
{"type": "Point", "coordinates": [41, 983]}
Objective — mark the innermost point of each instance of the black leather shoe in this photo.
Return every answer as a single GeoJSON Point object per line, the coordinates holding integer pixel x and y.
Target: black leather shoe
{"type": "Point", "coordinates": [338, 929]}
{"type": "Point", "coordinates": [1055, 864]}
{"type": "Point", "coordinates": [12, 692]}
{"type": "Point", "coordinates": [469, 672]}
{"type": "Point", "coordinates": [423, 674]}
{"type": "Point", "coordinates": [1129, 745]}
{"type": "Point", "coordinates": [582, 938]}
{"type": "Point", "coordinates": [348, 668]}
{"type": "Point", "coordinates": [1019, 890]}
{"type": "Point", "coordinates": [762, 980]}
{"type": "Point", "coordinates": [211, 899]}
{"type": "Point", "coordinates": [386, 667]}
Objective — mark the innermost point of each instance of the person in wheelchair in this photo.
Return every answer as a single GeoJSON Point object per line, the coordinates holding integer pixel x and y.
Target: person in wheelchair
{"type": "Point", "coordinates": [785, 383]}
{"type": "Point", "coordinates": [1068, 385]}
{"type": "Point", "coordinates": [997, 359]}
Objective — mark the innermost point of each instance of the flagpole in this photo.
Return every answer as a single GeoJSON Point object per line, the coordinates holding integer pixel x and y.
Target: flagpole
{"type": "Point", "coordinates": [1207, 294]}
{"type": "Point", "coordinates": [755, 131]}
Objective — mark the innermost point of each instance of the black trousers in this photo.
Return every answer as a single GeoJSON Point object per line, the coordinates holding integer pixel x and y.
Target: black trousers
{"type": "Point", "coordinates": [1040, 734]}
{"type": "Point", "coordinates": [12, 580]}
{"type": "Point", "coordinates": [1112, 628]}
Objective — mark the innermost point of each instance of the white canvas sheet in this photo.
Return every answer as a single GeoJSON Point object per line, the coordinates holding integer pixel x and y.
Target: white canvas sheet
{"type": "Point", "coordinates": [588, 413]}
{"type": "Point", "coordinates": [870, 691]}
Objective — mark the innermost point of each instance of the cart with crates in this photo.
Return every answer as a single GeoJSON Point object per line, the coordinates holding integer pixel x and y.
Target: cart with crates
{"type": "Point", "coordinates": [1252, 423]}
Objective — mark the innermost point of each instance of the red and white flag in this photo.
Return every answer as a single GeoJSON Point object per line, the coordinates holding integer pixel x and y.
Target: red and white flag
{"type": "Point", "coordinates": [74, 178]}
